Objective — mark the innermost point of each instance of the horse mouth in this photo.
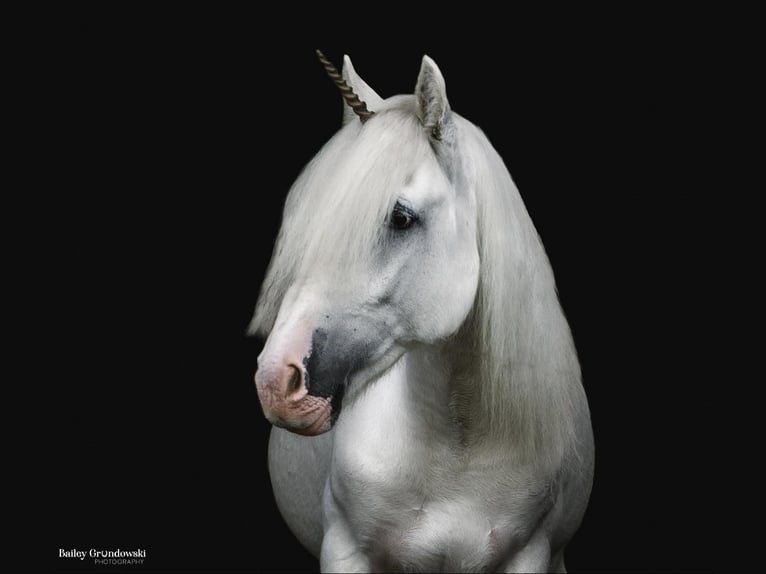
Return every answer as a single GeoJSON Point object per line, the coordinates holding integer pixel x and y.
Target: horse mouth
{"type": "Point", "coordinates": [321, 425]}
{"type": "Point", "coordinates": [310, 416]}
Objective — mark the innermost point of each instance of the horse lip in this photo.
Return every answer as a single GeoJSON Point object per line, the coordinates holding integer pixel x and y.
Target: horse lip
{"type": "Point", "coordinates": [321, 424]}
{"type": "Point", "coordinates": [303, 424]}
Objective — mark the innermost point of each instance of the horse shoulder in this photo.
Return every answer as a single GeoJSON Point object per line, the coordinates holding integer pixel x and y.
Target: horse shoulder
{"type": "Point", "coordinates": [299, 467]}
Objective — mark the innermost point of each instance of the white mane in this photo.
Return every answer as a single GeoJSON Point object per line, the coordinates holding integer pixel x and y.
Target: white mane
{"type": "Point", "coordinates": [530, 375]}
{"type": "Point", "coordinates": [526, 365]}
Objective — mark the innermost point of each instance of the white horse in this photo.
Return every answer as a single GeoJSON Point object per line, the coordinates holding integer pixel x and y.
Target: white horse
{"type": "Point", "coordinates": [409, 288]}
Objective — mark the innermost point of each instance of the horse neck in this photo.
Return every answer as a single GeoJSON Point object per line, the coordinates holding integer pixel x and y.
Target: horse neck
{"type": "Point", "coordinates": [445, 381]}
{"type": "Point", "coordinates": [432, 381]}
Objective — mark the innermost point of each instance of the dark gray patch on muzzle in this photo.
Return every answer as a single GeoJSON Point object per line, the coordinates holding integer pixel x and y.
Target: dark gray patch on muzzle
{"type": "Point", "coordinates": [336, 354]}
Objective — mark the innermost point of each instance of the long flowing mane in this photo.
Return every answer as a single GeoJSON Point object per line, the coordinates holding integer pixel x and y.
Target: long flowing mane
{"type": "Point", "coordinates": [528, 366]}
{"type": "Point", "coordinates": [527, 374]}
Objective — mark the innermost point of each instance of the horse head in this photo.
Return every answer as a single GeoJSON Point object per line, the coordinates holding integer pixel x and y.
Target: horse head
{"type": "Point", "coordinates": [377, 252]}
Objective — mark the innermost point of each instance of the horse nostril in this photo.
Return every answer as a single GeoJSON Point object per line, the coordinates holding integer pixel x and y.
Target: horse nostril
{"type": "Point", "coordinates": [295, 380]}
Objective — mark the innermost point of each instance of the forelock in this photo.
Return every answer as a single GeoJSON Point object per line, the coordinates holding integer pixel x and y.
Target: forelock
{"type": "Point", "coordinates": [336, 210]}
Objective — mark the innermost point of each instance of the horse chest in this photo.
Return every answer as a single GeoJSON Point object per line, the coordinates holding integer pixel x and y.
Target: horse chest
{"type": "Point", "coordinates": [429, 519]}
{"type": "Point", "coordinates": [421, 506]}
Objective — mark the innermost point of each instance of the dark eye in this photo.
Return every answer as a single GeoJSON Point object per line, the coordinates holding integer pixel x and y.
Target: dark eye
{"type": "Point", "coordinates": [402, 217]}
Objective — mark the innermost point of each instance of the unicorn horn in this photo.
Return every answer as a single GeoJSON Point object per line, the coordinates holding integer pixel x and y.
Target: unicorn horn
{"type": "Point", "coordinates": [359, 107]}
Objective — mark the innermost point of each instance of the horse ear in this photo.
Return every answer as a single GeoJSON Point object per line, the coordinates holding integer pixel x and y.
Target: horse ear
{"type": "Point", "coordinates": [361, 89]}
{"type": "Point", "coordinates": [431, 96]}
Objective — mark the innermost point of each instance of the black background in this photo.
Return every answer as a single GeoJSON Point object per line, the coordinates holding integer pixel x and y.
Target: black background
{"type": "Point", "coordinates": [176, 142]}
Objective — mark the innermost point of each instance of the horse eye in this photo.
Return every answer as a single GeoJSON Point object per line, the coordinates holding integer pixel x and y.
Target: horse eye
{"type": "Point", "coordinates": [402, 218]}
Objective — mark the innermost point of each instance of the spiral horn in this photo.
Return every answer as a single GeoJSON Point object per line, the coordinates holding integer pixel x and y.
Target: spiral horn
{"type": "Point", "coordinates": [359, 107]}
